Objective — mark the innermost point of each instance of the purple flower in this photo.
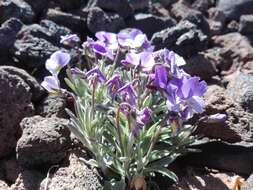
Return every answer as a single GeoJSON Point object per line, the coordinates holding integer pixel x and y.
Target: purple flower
{"type": "Point", "coordinates": [51, 84]}
{"type": "Point", "coordinates": [57, 61]}
{"type": "Point", "coordinates": [133, 38]}
{"type": "Point", "coordinates": [99, 47]}
{"type": "Point", "coordinates": [144, 116]}
{"type": "Point", "coordinates": [114, 84]}
{"type": "Point", "coordinates": [128, 93]}
{"type": "Point", "coordinates": [95, 74]}
{"type": "Point", "coordinates": [69, 39]}
{"type": "Point", "coordinates": [110, 39]}
{"type": "Point", "coordinates": [161, 77]}
{"type": "Point", "coordinates": [144, 59]}
{"type": "Point", "coordinates": [190, 93]}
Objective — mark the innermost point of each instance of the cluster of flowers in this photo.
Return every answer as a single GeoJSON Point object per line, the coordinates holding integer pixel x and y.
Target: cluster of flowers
{"type": "Point", "coordinates": [128, 77]}
{"type": "Point", "coordinates": [183, 92]}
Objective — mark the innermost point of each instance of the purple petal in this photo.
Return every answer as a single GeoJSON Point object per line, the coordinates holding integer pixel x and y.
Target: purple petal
{"type": "Point", "coordinates": [57, 61]}
{"type": "Point", "coordinates": [161, 77]}
{"type": "Point", "coordinates": [96, 73]}
{"type": "Point", "coordinates": [51, 84]}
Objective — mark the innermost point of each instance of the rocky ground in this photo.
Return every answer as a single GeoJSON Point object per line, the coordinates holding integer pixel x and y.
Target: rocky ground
{"type": "Point", "coordinates": [37, 151]}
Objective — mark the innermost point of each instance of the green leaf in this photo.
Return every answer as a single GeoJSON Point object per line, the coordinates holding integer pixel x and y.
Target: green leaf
{"type": "Point", "coordinates": [115, 185]}
{"type": "Point", "coordinates": [163, 171]}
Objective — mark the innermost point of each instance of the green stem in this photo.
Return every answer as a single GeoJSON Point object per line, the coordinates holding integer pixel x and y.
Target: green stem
{"type": "Point", "coordinates": [119, 131]}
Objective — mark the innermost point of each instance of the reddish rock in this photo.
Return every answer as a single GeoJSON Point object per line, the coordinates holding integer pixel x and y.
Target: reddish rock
{"type": "Point", "coordinates": [75, 176]}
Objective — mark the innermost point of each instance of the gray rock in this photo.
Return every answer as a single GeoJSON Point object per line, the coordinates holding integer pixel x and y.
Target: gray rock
{"type": "Point", "coordinates": [184, 38]}
{"type": "Point", "coordinates": [8, 32]}
{"type": "Point", "coordinates": [47, 30]}
{"type": "Point", "coordinates": [11, 169]}
{"type": "Point", "coordinates": [144, 21]}
{"type": "Point", "coordinates": [181, 9]}
{"type": "Point", "coordinates": [246, 24]}
{"type": "Point", "coordinates": [16, 8]}
{"type": "Point", "coordinates": [75, 23]}
{"type": "Point", "coordinates": [44, 141]}
{"type": "Point", "coordinates": [201, 66]}
{"type": "Point", "coordinates": [98, 20]}
{"type": "Point", "coordinates": [240, 89]}
{"type": "Point", "coordinates": [75, 176]}
{"type": "Point", "coordinates": [139, 4]}
{"type": "Point", "coordinates": [32, 52]}
{"type": "Point", "coordinates": [53, 106]}
{"type": "Point", "coordinates": [233, 9]}
{"type": "Point", "coordinates": [249, 183]}
{"type": "Point", "coordinates": [122, 7]}
{"type": "Point", "coordinates": [15, 98]}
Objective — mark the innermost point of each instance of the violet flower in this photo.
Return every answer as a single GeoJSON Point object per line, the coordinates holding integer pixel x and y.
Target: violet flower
{"type": "Point", "coordinates": [99, 48]}
{"type": "Point", "coordinates": [133, 38]}
{"type": "Point", "coordinates": [69, 39]}
{"type": "Point", "coordinates": [57, 61]}
{"type": "Point", "coordinates": [51, 84]}
{"type": "Point", "coordinates": [191, 92]}
{"type": "Point", "coordinates": [95, 74]}
{"type": "Point", "coordinates": [109, 38]}
{"type": "Point", "coordinates": [144, 60]}
{"type": "Point", "coordinates": [114, 84]}
{"type": "Point", "coordinates": [128, 93]}
{"type": "Point", "coordinates": [144, 116]}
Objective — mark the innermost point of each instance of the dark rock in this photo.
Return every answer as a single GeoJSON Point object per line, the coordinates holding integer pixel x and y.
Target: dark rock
{"type": "Point", "coordinates": [47, 30]}
{"type": "Point", "coordinates": [233, 9]}
{"type": "Point", "coordinates": [32, 52]}
{"type": "Point", "coordinates": [98, 20]}
{"type": "Point", "coordinates": [203, 5]}
{"type": "Point", "coordinates": [139, 4]}
{"type": "Point", "coordinates": [8, 32]}
{"type": "Point", "coordinates": [28, 180]}
{"type": "Point", "coordinates": [246, 24]}
{"type": "Point", "coordinates": [238, 125]}
{"type": "Point", "coordinates": [199, 20]}
{"type": "Point", "coordinates": [201, 66]}
{"type": "Point", "coordinates": [144, 21]}
{"type": "Point", "coordinates": [53, 106]}
{"type": "Point", "coordinates": [216, 21]}
{"type": "Point", "coordinates": [122, 7]}
{"type": "Point", "coordinates": [12, 169]}
{"type": "Point", "coordinates": [184, 38]}
{"type": "Point", "coordinates": [16, 8]}
{"type": "Point", "coordinates": [73, 22]}
{"type": "Point", "coordinates": [15, 98]}
{"type": "Point", "coordinates": [38, 6]}
{"type": "Point", "coordinates": [237, 158]}
{"type": "Point", "coordinates": [248, 185]}
{"type": "Point", "coordinates": [36, 90]}
{"type": "Point", "coordinates": [167, 2]}
{"type": "Point", "coordinates": [44, 141]}
{"type": "Point", "coordinates": [77, 175]}
{"type": "Point", "coordinates": [67, 5]}
{"type": "Point", "coordinates": [240, 89]}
